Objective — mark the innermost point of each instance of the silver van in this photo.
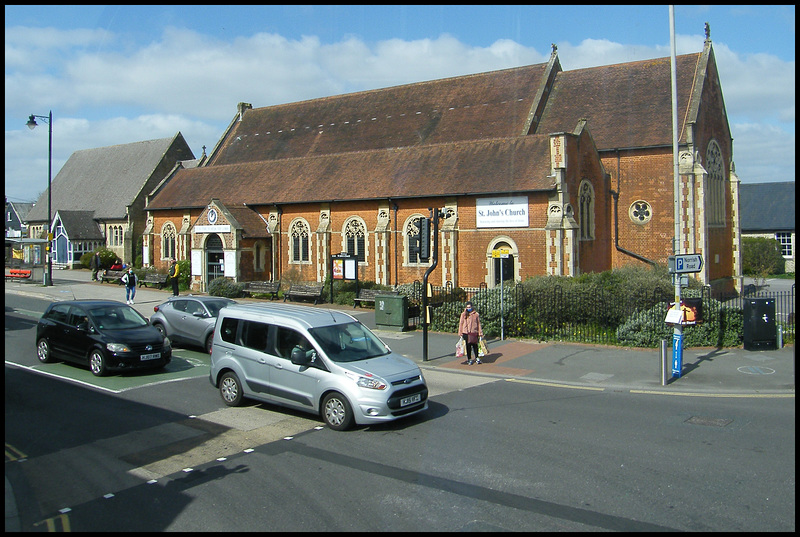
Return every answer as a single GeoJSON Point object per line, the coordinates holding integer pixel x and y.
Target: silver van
{"type": "Point", "coordinates": [318, 360]}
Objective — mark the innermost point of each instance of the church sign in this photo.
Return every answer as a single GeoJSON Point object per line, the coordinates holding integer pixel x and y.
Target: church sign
{"type": "Point", "coordinates": [511, 211]}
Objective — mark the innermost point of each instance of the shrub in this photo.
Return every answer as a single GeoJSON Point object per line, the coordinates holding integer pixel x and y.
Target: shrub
{"type": "Point", "coordinates": [225, 287]}
{"type": "Point", "coordinates": [722, 326]}
{"type": "Point", "coordinates": [107, 257]}
{"type": "Point", "coordinates": [185, 274]}
{"type": "Point", "coordinates": [762, 257]}
{"type": "Point", "coordinates": [626, 306]}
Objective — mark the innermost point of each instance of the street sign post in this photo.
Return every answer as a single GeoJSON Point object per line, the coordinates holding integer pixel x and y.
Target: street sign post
{"type": "Point", "coordinates": [501, 253]}
{"type": "Point", "coordinates": [685, 263]}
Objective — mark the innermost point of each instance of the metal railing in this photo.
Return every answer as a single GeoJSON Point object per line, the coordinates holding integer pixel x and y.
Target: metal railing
{"type": "Point", "coordinates": [597, 317]}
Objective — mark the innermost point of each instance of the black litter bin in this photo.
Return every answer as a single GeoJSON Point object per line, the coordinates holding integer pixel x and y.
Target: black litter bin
{"type": "Point", "coordinates": [759, 324]}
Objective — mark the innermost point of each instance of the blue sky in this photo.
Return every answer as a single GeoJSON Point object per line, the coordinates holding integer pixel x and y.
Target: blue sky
{"type": "Point", "coordinates": [121, 74]}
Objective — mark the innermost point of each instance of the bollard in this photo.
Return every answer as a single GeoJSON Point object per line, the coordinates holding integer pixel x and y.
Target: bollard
{"type": "Point", "coordinates": [664, 362]}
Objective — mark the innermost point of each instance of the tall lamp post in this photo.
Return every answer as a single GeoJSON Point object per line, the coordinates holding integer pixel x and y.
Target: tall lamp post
{"type": "Point", "coordinates": [32, 125]}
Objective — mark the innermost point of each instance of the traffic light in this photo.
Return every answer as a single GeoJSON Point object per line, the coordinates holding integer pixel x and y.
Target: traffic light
{"type": "Point", "coordinates": [413, 246]}
{"type": "Point", "coordinates": [424, 239]}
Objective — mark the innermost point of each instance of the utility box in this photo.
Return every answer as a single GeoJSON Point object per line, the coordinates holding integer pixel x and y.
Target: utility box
{"type": "Point", "coordinates": [760, 330]}
{"type": "Point", "coordinates": [391, 312]}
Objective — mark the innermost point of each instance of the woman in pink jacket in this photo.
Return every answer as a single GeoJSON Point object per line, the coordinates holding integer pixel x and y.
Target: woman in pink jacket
{"type": "Point", "coordinates": [469, 328]}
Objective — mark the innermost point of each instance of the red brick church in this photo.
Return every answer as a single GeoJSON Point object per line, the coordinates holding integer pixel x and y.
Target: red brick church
{"type": "Point", "coordinates": [570, 171]}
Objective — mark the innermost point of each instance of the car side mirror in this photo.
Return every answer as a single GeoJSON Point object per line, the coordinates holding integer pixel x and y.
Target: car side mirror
{"type": "Point", "coordinates": [83, 327]}
{"type": "Point", "coordinates": [299, 356]}
{"type": "Point", "coordinates": [199, 314]}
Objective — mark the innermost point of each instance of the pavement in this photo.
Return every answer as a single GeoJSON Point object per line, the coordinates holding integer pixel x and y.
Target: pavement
{"type": "Point", "coordinates": [706, 372]}
{"type": "Point", "coordinates": [718, 372]}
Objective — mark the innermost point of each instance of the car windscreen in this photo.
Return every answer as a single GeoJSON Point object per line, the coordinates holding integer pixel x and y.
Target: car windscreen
{"type": "Point", "coordinates": [116, 317]}
{"type": "Point", "coordinates": [348, 342]}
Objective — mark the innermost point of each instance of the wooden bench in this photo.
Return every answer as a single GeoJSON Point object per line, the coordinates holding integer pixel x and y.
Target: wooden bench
{"type": "Point", "coordinates": [368, 295]}
{"type": "Point", "coordinates": [19, 274]}
{"type": "Point", "coordinates": [113, 275]}
{"type": "Point", "coordinates": [264, 288]}
{"type": "Point", "coordinates": [154, 278]}
{"type": "Point", "coordinates": [304, 290]}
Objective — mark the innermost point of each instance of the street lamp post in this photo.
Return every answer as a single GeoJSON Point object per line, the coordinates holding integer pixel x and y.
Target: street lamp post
{"type": "Point", "coordinates": [32, 125]}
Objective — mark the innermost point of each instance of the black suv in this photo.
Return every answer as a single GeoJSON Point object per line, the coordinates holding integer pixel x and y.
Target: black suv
{"type": "Point", "coordinates": [104, 334]}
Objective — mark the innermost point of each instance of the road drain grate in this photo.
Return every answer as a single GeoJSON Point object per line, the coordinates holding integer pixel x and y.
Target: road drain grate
{"type": "Point", "coordinates": [709, 422]}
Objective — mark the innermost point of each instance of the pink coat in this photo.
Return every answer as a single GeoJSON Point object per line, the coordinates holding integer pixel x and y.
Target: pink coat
{"type": "Point", "coordinates": [470, 325]}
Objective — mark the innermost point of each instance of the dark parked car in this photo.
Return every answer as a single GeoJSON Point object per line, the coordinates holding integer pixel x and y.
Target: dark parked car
{"type": "Point", "coordinates": [104, 334]}
{"type": "Point", "coordinates": [189, 319]}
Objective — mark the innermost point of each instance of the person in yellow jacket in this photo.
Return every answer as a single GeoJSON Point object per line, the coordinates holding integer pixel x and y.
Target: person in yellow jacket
{"type": "Point", "coordinates": [174, 271]}
{"type": "Point", "coordinates": [469, 328]}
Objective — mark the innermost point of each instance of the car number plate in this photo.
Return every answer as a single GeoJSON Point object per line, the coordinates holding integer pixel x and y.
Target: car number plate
{"type": "Point", "coordinates": [153, 356]}
{"type": "Point", "coordinates": [405, 401]}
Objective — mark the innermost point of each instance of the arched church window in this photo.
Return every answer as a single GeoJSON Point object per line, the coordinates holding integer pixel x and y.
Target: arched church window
{"type": "Point", "coordinates": [300, 233]}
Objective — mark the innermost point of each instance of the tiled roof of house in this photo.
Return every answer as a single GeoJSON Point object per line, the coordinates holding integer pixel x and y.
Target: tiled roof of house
{"type": "Point", "coordinates": [627, 105]}
{"type": "Point", "coordinates": [103, 180]}
{"type": "Point", "coordinates": [21, 208]}
{"type": "Point", "coordinates": [79, 225]}
{"type": "Point", "coordinates": [767, 207]}
{"type": "Point", "coordinates": [253, 225]}
{"type": "Point", "coordinates": [485, 105]}
{"type": "Point", "coordinates": [501, 165]}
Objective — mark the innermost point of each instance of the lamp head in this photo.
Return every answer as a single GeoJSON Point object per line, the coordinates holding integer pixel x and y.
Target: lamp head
{"type": "Point", "coordinates": [32, 123]}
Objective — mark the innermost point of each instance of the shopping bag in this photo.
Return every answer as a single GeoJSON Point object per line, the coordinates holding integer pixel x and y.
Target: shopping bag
{"type": "Point", "coordinates": [482, 349]}
{"type": "Point", "coordinates": [460, 348]}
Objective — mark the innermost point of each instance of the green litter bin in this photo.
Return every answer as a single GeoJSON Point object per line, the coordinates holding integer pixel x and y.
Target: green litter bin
{"type": "Point", "coordinates": [391, 312]}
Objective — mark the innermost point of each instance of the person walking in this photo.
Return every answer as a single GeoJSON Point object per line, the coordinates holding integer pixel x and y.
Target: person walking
{"type": "Point", "coordinates": [129, 279]}
{"type": "Point", "coordinates": [469, 328]}
{"type": "Point", "coordinates": [94, 264]}
{"type": "Point", "coordinates": [174, 271]}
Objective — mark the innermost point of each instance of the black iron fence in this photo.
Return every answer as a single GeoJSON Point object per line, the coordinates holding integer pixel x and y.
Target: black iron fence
{"type": "Point", "coordinates": [634, 319]}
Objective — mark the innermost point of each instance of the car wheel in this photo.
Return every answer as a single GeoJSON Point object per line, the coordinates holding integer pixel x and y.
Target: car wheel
{"type": "Point", "coordinates": [97, 363]}
{"type": "Point", "coordinates": [43, 351]}
{"type": "Point", "coordinates": [336, 412]}
{"type": "Point", "coordinates": [230, 389]}
{"type": "Point", "coordinates": [160, 328]}
{"type": "Point", "coordinates": [209, 341]}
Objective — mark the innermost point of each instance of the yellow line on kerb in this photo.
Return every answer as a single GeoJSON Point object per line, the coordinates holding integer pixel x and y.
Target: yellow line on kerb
{"type": "Point", "coordinates": [555, 385]}
{"type": "Point", "coordinates": [738, 395]}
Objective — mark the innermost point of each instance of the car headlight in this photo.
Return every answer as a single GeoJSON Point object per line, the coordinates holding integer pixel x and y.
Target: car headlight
{"type": "Point", "coordinates": [117, 347]}
{"type": "Point", "coordinates": [367, 381]}
{"type": "Point", "coordinates": [167, 343]}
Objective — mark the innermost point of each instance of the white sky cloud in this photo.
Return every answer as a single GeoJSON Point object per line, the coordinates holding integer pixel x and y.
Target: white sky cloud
{"type": "Point", "coordinates": [105, 90]}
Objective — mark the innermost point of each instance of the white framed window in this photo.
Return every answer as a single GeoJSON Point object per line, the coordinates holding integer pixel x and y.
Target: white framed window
{"type": "Point", "coordinates": [355, 238]}
{"type": "Point", "coordinates": [411, 247]}
{"type": "Point", "coordinates": [640, 212]}
{"type": "Point", "coordinates": [168, 236]}
{"type": "Point", "coordinates": [300, 243]}
{"type": "Point", "coordinates": [787, 247]}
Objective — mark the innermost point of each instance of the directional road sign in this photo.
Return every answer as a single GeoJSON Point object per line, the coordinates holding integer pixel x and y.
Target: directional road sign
{"type": "Point", "coordinates": [682, 264]}
{"type": "Point", "coordinates": [501, 252]}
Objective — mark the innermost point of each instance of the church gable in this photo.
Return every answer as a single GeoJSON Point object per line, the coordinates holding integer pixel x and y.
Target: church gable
{"type": "Point", "coordinates": [627, 105]}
